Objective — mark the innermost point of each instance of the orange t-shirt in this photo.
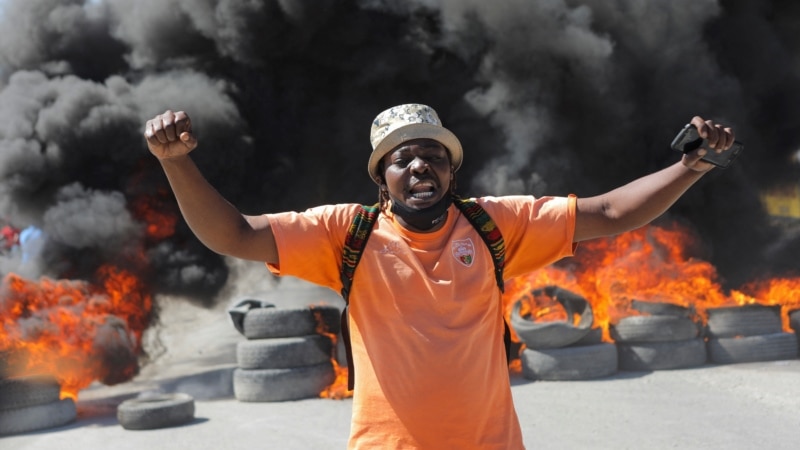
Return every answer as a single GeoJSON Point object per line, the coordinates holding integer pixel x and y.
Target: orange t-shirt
{"type": "Point", "coordinates": [426, 323]}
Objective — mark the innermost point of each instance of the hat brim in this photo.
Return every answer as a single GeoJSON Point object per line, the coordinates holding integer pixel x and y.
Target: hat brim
{"type": "Point", "coordinates": [415, 131]}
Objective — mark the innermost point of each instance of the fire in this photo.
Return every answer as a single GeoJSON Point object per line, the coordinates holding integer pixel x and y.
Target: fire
{"type": "Point", "coordinates": [777, 291]}
{"type": "Point", "coordinates": [82, 331]}
{"type": "Point", "coordinates": [151, 210]}
{"type": "Point", "coordinates": [77, 331]}
{"type": "Point", "coordinates": [541, 308]}
{"type": "Point", "coordinates": [515, 366]}
{"type": "Point", "coordinates": [648, 264]}
{"type": "Point", "coordinates": [338, 389]}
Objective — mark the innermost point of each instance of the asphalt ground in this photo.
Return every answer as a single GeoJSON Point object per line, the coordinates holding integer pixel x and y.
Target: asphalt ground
{"type": "Point", "coordinates": [736, 406]}
{"type": "Point", "coordinates": [739, 406]}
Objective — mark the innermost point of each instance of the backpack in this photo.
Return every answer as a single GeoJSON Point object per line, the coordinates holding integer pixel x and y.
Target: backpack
{"type": "Point", "coordinates": [356, 241]}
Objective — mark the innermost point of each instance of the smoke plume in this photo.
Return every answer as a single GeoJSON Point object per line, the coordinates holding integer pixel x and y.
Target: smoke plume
{"type": "Point", "coordinates": [548, 97]}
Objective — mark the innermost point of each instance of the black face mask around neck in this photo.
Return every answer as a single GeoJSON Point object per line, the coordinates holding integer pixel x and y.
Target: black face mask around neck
{"type": "Point", "coordinates": [426, 218]}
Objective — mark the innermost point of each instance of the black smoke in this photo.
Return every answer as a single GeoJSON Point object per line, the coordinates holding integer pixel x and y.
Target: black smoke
{"type": "Point", "coordinates": [547, 97]}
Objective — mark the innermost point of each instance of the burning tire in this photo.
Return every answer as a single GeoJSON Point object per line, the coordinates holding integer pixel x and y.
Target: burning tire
{"type": "Point", "coordinates": [156, 411]}
{"type": "Point", "coordinates": [281, 353]}
{"type": "Point", "coordinates": [666, 338]}
{"type": "Point", "coordinates": [748, 320]}
{"type": "Point", "coordinates": [37, 417]}
{"type": "Point", "coordinates": [658, 328]}
{"type": "Point", "coordinates": [547, 335]}
{"type": "Point", "coordinates": [5, 356]}
{"type": "Point", "coordinates": [765, 347]}
{"type": "Point", "coordinates": [277, 385]}
{"type": "Point", "coordinates": [570, 363]}
{"type": "Point", "coordinates": [593, 337]}
{"type": "Point", "coordinates": [21, 392]}
{"type": "Point", "coordinates": [661, 308]}
{"type": "Point", "coordinates": [289, 351]}
{"type": "Point", "coordinates": [645, 356]}
{"type": "Point", "coordinates": [285, 357]}
{"type": "Point", "coordinates": [261, 323]}
{"type": "Point", "coordinates": [794, 321]}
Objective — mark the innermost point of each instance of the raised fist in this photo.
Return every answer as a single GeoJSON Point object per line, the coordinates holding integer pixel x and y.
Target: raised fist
{"type": "Point", "coordinates": [169, 135]}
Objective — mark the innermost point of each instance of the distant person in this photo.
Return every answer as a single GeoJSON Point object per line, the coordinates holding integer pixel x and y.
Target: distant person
{"type": "Point", "coordinates": [9, 236]}
{"type": "Point", "coordinates": [31, 241]}
{"type": "Point", "coordinates": [426, 316]}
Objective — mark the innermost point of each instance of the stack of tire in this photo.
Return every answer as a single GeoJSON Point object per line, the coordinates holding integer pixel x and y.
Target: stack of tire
{"type": "Point", "coordinates": [749, 333]}
{"type": "Point", "coordinates": [663, 336]}
{"type": "Point", "coordinates": [32, 403]}
{"type": "Point", "coordinates": [285, 356]}
{"type": "Point", "coordinates": [563, 350]}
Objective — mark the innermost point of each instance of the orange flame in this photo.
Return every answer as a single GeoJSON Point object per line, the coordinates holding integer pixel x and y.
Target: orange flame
{"type": "Point", "coordinates": [515, 366]}
{"type": "Point", "coordinates": [542, 308]}
{"type": "Point", "coordinates": [80, 331]}
{"type": "Point", "coordinates": [777, 291]}
{"type": "Point", "coordinates": [151, 210]}
{"type": "Point", "coordinates": [338, 389]}
{"type": "Point", "coordinates": [73, 330]}
{"type": "Point", "coordinates": [648, 264]}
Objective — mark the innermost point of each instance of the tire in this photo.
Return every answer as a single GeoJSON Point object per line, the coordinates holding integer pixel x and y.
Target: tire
{"type": "Point", "coordinates": [661, 308]}
{"type": "Point", "coordinates": [331, 316]}
{"type": "Point", "coordinates": [263, 323]}
{"type": "Point", "coordinates": [767, 347]}
{"type": "Point", "coordinates": [34, 390]}
{"type": "Point", "coordinates": [156, 411]}
{"type": "Point", "coordinates": [284, 353]}
{"type": "Point", "coordinates": [277, 385]}
{"type": "Point", "coordinates": [547, 335]}
{"type": "Point", "coordinates": [748, 320]}
{"type": "Point", "coordinates": [5, 364]}
{"type": "Point", "coordinates": [662, 355]}
{"type": "Point", "coordinates": [570, 363]}
{"type": "Point", "coordinates": [653, 329]}
{"type": "Point", "coordinates": [593, 337]}
{"type": "Point", "coordinates": [794, 321]}
{"type": "Point", "coordinates": [37, 417]}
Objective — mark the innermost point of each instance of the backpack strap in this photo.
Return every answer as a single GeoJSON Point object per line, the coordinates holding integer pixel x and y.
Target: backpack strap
{"type": "Point", "coordinates": [354, 244]}
{"type": "Point", "coordinates": [491, 235]}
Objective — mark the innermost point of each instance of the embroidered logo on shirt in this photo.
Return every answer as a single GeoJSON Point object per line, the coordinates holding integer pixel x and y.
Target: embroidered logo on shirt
{"type": "Point", "coordinates": [391, 248]}
{"type": "Point", "coordinates": [463, 251]}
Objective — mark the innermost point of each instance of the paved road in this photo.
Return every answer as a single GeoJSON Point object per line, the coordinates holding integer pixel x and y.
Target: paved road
{"type": "Point", "coordinates": [741, 406]}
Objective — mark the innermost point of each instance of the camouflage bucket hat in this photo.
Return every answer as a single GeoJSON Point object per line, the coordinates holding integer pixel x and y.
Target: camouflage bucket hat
{"type": "Point", "coordinates": [403, 123]}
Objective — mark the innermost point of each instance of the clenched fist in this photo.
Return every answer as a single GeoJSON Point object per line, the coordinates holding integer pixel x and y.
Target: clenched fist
{"type": "Point", "coordinates": [169, 135]}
